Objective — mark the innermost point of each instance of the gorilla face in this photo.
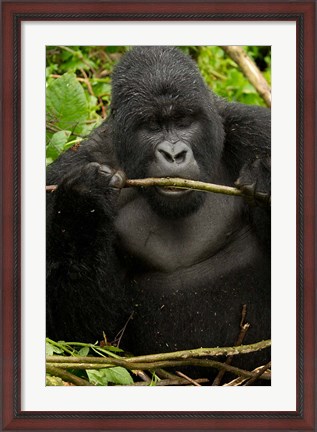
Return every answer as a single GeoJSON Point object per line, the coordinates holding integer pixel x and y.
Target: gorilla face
{"type": "Point", "coordinates": [165, 125]}
{"type": "Point", "coordinates": [171, 144]}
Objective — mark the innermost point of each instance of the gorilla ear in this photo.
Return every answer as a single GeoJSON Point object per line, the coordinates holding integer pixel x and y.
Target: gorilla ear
{"type": "Point", "coordinates": [113, 112]}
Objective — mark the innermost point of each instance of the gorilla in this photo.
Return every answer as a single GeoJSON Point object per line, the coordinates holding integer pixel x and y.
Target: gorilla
{"type": "Point", "coordinates": [169, 268]}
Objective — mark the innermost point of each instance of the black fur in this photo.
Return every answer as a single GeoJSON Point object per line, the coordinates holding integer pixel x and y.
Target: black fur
{"type": "Point", "coordinates": [184, 264]}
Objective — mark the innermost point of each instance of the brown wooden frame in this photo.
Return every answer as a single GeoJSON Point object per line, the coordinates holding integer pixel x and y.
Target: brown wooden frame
{"type": "Point", "coordinates": [13, 13]}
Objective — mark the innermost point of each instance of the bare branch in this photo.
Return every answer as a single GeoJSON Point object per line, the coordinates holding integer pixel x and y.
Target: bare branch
{"type": "Point", "coordinates": [101, 363]}
{"type": "Point", "coordinates": [66, 376]}
{"type": "Point", "coordinates": [171, 382]}
{"type": "Point", "coordinates": [244, 327]}
{"type": "Point", "coordinates": [250, 71]}
{"type": "Point", "coordinates": [258, 374]}
{"type": "Point", "coordinates": [182, 375]}
{"type": "Point", "coordinates": [181, 184]}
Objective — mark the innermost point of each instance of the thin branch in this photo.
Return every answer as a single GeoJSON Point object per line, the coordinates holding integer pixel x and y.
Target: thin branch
{"type": "Point", "coordinates": [258, 374]}
{"type": "Point", "coordinates": [181, 184]}
{"type": "Point", "coordinates": [66, 376]}
{"type": "Point", "coordinates": [244, 327]}
{"type": "Point", "coordinates": [177, 355]}
{"type": "Point", "coordinates": [184, 184]}
{"type": "Point", "coordinates": [94, 363]}
{"type": "Point", "coordinates": [119, 335]}
{"type": "Point", "coordinates": [240, 380]}
{"type": "Point", "coordinates": [83, 80]}
{"type": "Point", "coordinates": [87, 82]}
{"type": "Point", "coordinates": [204, 352]}
{"type": "Point", "coordinates": [182, 375]}
{"type": "Point", "coordinates": [164, 374]}
{"type": "Point", "coordinates": [142, 375]}
{"type": "Point", "coordinates": [171, 382]}
{"type": "Point", "coordinates": [250, 71]}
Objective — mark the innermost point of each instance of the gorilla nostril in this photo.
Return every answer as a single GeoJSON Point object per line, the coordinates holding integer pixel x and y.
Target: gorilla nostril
{"type": "Point", "coordinates": [167, 156]}
{"type": "Point", "coordinates": [180, 157]}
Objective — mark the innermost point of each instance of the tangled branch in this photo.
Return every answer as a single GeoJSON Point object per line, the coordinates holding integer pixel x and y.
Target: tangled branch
{"type": "Point", "coordinates": [59, 365]}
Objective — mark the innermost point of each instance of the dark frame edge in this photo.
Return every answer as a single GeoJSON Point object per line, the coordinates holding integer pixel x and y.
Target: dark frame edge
{"type": "Point", "coordinates": [8, 380]}
{"type": "Point", "coordinates": [13, 417]}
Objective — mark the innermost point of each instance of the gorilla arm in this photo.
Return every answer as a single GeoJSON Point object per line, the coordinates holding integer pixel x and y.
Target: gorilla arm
{"type": "Point", "coordinates": [84, 280]}
{"type": "Point", "coordinates": [247, 153]}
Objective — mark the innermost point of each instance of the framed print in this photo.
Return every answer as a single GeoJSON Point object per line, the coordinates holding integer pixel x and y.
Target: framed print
{"type": "Point", "coordinates": [31, 30]}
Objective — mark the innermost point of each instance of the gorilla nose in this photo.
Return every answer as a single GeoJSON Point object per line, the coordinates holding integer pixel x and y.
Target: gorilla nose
{"type": "Point", "coordinates": [179, 153]}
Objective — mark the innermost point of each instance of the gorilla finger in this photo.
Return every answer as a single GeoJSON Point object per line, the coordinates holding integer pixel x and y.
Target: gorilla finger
{"type": "Point", "coordinates": [118, 180]}
{"type": "Point", "coordinates": [79, 178]}
{"type": "Point", "coordinates": [246, 187]}
{"type": "Point", "coordinates": [107, 170]}
{"type": "Point", "coordinates": [263, 199]}
{"type": "Point", "coordinates": [111, 177]}
{"type": "Point", "coordinates": [249, 189]}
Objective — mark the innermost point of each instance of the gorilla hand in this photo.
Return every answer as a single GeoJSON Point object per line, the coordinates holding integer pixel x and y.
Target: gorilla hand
{"type": "Point", "coordinates": [87, 194]}
{"type": "Point", "coordinates": [93, 178]}
{"type": "Point", "coordinates": [255, 182]}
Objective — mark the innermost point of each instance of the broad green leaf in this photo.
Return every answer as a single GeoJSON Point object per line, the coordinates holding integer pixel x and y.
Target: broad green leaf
{"type": "Point", "coordinates": [66, 104]}
{"type": "Point", "coordinates": [115, 375]}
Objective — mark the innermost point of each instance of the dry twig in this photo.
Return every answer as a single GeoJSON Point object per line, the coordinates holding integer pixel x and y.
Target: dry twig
{"type": "Point", "coordinates": [190, 380]}
{"type": "Point", "coordinates": [243, 330]}
{"type": "Point", "coordinates": [258, 374]}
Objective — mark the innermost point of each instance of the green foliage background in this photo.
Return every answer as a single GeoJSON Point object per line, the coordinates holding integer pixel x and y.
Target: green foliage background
{"type": "Point", "coordinates": [78, 80]}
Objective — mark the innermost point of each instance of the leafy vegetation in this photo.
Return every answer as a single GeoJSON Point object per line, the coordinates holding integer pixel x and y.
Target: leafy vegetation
{"type": "Point", "coordinates": [78, 92]}
{"type": "Point", "coordinates": [105, 376]}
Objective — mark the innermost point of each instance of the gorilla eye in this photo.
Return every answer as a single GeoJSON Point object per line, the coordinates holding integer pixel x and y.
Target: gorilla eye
{"type": "Point", "coordinates": [183, 122]}
{"type": "Point", "coordinates": [152, 126]}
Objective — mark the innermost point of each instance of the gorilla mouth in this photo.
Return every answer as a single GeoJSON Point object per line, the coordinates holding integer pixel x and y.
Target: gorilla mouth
{"type": "Point", "coordinates": [172, 191]}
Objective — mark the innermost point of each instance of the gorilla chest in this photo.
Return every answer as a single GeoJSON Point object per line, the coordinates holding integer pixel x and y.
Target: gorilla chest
{"type": "Point", "coordinates": [166, 245]}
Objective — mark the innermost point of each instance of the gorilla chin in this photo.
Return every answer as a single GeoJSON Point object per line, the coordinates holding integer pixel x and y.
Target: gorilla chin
{"type": "Point", "coordinates": [172, 203]}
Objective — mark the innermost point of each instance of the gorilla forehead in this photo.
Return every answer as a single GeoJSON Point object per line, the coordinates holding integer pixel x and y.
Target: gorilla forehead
{"type": "Point", "coordinates": [149, 78]}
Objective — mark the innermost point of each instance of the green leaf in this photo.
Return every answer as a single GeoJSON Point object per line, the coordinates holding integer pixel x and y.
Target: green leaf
{"type": "Point", "coordinates": [59, 139]}
{"type": "Point", "coordinates": [116, 375]}
{"type": "Point", "coordinates": [57, 144]}
{"type": "Point", "coordinates": [51, 349]}
{"type": "Point", "coordinates": [66, 104]}
{"type": "Point", "coordinates": [101, 89]}
{"type": "Point", "coordinates": [83, 352]}
{"type": "Point", "coordinates": [92, 102]}
{"type": "Point", "coordinates": [112, 348]}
